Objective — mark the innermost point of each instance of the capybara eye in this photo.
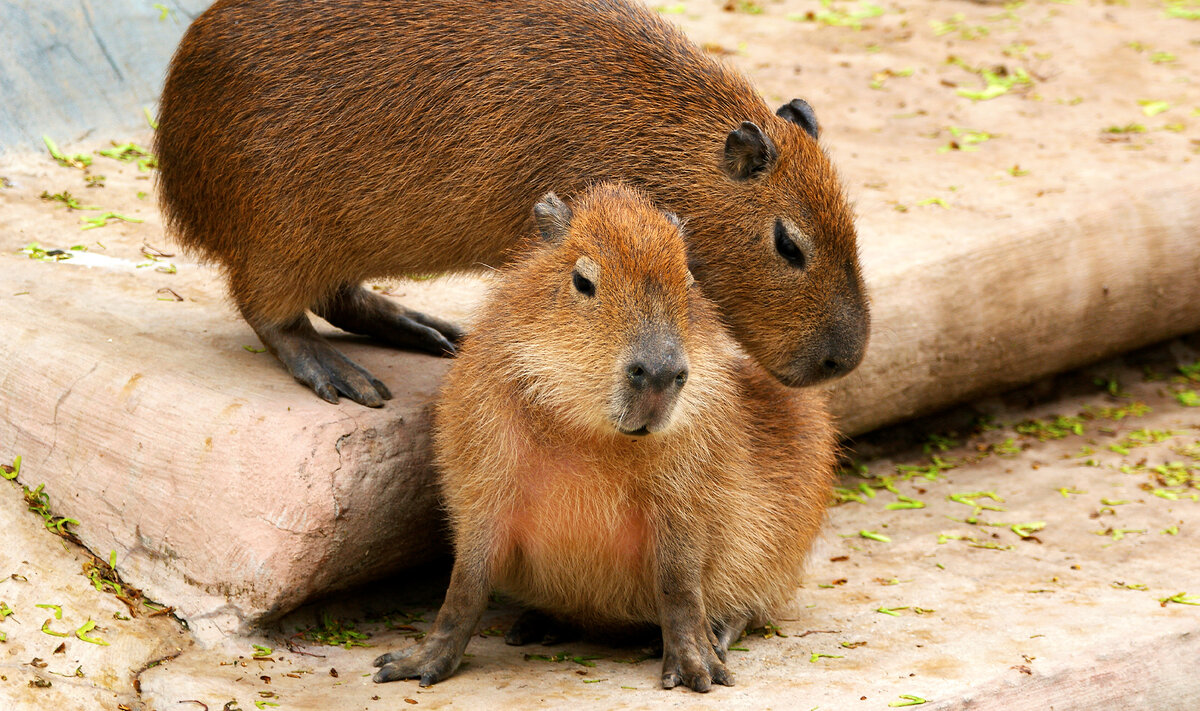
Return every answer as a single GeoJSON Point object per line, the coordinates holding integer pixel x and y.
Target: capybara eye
{"type": "Point", "coordinates": [786, 247]}
{"type": "Point", "coordinates": [582, 284]}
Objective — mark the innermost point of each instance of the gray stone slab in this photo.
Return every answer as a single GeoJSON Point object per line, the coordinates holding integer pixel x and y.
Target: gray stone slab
{"type": "Point", "coordinates": [71, 68]}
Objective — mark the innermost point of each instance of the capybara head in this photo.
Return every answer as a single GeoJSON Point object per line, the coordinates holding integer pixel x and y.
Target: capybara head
{"type": "Point", "coordinates": [783, 264]}
{"type": "Point", "coordinates": [605, 306]}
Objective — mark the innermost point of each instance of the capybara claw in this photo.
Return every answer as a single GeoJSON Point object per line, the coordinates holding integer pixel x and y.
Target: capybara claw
{"type": "Point", "coordinates": [383, 659]}
{"type": "Point", "coordinates": [389, 672]}
{"type": "Point", "coordinates": [406, 669]}
{"type": "Point", "coordinates": [695, 666]}
{"type": "Point", "coordinates": [329, 373]}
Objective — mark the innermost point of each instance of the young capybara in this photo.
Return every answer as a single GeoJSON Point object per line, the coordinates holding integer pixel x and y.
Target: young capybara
{"type": "Point", "coordinates": [308, 146]}
{"type": "Point", "coordinates": [609, 457]}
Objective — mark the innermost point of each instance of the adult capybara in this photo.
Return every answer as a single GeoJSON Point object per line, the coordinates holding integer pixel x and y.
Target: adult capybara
{"type": "Point", "coordinates": [608, 456]}
{"type": "Point", "coordinates": [308, 146]}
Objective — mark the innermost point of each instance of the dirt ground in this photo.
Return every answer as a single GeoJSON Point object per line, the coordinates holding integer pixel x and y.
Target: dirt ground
{"type": "Point", "coordinates": [1040, 559]}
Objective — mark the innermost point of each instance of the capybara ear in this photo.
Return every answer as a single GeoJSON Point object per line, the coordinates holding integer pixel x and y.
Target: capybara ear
{"type": "Point", "coordinates": [553, 218]}
{"type": "Point", "coordinates": [800, 113]}
{"type": "Point", "coordinates": [748, 152]}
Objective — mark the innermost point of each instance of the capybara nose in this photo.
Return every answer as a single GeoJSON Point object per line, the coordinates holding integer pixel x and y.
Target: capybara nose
{"type": "Point", "coordinates": [842, 354]}
{"type": "Point", "coordinates": [669, 374]}
{"type": "Point", "coordinates": [835, 368]}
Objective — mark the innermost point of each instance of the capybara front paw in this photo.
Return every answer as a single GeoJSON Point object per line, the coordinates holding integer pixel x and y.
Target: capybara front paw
{"type": "Point", "coordinates": [329, 373]}
{"type": "Point", "coordinates": [696, 667]}
{"type": "Point", "coordinates": [428, 663]}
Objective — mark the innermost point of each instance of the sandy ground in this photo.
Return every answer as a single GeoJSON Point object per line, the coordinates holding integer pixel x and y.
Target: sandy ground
{"type": "Point", "coordinates": [974, 610]}
{"type": "Point", "coordinates": [1009, 552]}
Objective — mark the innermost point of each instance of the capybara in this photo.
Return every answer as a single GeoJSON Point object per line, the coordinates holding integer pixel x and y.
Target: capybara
{"type": "Point", "coordinates": [309, 146]}
{"type": "Point", "coordinates": [609, 458]}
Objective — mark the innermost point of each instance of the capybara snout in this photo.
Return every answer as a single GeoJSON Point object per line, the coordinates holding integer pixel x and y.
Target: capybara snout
{"type": "Point", "coordinates": [837, 350]}
{"type": "Point", "coordinates": [654, 373]}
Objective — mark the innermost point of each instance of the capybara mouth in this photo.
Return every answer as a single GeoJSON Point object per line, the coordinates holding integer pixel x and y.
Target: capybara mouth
{"type": "Point", "coordinates": [806, 374]}
{"type": "Point", "coordinates": [792, 379]}
{"type": "Point", "coordinates": [639, 432]}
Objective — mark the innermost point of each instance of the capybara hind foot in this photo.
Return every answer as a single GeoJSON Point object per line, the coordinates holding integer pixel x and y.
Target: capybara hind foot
{"type": "Point", "coordinates": [357, 310]}
{"type": "Point", "coordinates": [694, 664]}
{"type": "Point", "coordinates": [537, 626]}
{"type": "Point", "coordinates": [314, 362]}
{"type": "Point", "coordinates": [727, 631]}
{"type": "Point", "coordinates": [430, 660]}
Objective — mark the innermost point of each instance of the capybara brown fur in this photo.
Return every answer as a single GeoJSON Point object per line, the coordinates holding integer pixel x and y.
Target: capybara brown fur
{"type": "Point", "coordinates": [610, 458]}
{"type": "Point", "coordinates": [309, 146]}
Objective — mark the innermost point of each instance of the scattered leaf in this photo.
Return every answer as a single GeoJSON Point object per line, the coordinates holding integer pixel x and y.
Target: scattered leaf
{"type": "Point", "coordinates": [56, 608]}
{"type": "Point", "coordinates": [88, 626]}
{"type": "Point", "coordinates": [1188, 398]}
{"type": "Point", "coordinates": [1026, 530]}
{"type": "Point", "coordinates": [839, 17]}
{"type": "Point", "coordinates": [905, 503]}
{"type": "Point", "coordinates": [91, 223]}
{"type": "Point", "coordinates": [67, 199]}
{"type": "Point", "coordinates": [78, 160]}
{"type": "Point", "coordinates": [1153, 108]}
{"type": "Point", "coordinates": [1180, 598]}
{"type": "Point", "coordinates": [11, 472]}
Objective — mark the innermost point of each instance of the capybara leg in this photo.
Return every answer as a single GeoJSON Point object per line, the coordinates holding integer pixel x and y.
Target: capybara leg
{"type": "Point", "coordinates": [320, 366]}
{"type": "Point", "coordinates": [689, 645]}
{"type": "Point", "coordinates": [357, 310]}
{"type": "Point", "coordinates": [537, 626]}
{"type": "Point", "coordinates": [727, 631]}
{"type": "Point", "coordinates": [440, 652]}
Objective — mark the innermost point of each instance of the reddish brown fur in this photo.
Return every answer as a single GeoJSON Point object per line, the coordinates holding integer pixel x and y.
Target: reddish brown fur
{"type": "Point", "coordinates": [554, 506]}
{"type": "Point", "coordinates": [307, 146]}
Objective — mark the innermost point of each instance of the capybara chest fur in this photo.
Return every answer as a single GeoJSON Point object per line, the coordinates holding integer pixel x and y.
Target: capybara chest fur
{"type": "Point", "coordinates": [309, 146]}
{"type": "Point", "coordinates": [609, 457]}
{"type": "Point", "coordinates": [576, 538]}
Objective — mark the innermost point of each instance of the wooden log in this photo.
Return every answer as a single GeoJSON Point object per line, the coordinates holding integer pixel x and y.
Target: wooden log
{"type": "Point", "coordinates": [1002, 305]}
